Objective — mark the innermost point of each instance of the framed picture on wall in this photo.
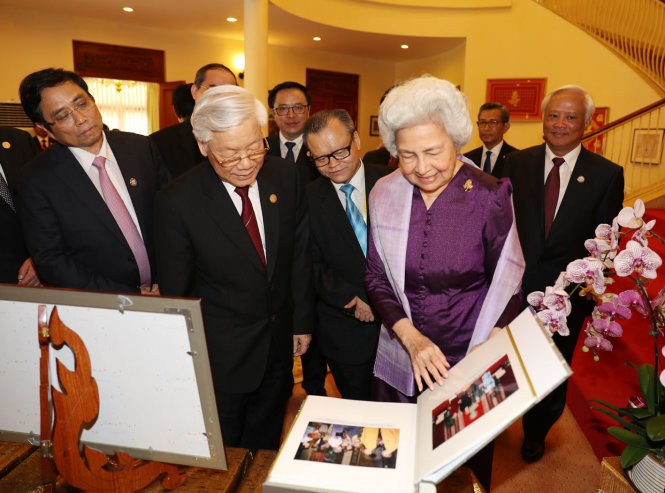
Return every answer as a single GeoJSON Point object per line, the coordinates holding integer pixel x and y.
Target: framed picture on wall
{"type": "Point", "coordinates": [599, 119]}
{"type": "Point", "coordinates": [647, 146]}
{"type": "Point", "coordinates": [522, 97]}
{"type": "Point", "coordinates": [374, 126]}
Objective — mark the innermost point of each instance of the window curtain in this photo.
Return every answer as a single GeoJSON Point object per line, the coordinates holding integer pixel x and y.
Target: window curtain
{"type": "Point", "coordinates": [126, 105]}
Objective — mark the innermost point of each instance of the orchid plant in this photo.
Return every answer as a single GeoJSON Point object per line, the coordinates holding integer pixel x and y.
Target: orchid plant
{"type": "Point", "coordinates": [643, 423]}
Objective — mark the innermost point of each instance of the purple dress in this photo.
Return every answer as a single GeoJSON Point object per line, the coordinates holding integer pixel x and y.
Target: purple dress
{"type": "Point", "coordinates": [452, 251]}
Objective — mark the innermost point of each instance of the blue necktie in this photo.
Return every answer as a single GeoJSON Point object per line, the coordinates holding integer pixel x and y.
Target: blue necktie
{"type": "Point", "coordinates": [355, 217]}
{"type": "Point", "coordinates": [487, 167]}
{"type": "Point", "coordinates": [290, 156]}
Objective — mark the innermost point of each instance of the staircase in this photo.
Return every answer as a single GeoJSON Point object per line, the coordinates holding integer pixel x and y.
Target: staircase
{"type": "Point", "coordinates": [635, 31]}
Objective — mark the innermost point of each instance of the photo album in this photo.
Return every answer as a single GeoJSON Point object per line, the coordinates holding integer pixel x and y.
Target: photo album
{"type": "Point", "coordinates": [338, 445]}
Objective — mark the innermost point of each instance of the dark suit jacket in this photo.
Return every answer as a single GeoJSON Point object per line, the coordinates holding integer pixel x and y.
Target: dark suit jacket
{"type": "Point", "coordinates": [306, 168]}
{"type": "Point", "coordinates": [339, 273]}
{"type": "Point", "coordinates": [476, 155]}
{"type": "Point", "coordinates": [379, 157]}
{"type": "Point", "coordinates": [177, 147]}
{"type": "Point", "coordinates": [594, 195]}
{"type": "Point", "coordinates": [71, 235]}
{"type": "Point", "coordinates": [16, 149]}
{"type": "Point", "coordinates": [204, 250]}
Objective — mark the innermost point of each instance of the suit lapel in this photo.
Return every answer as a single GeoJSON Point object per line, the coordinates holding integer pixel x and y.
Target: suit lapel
{"type": "Point", "coordinates": [68, 169]}
{"type": "Point", "coordinates": [536, 183]}
{"type": "Point", "coordinates": [332, 208]}
{"type": "Point", "coordinates": [270, 203]}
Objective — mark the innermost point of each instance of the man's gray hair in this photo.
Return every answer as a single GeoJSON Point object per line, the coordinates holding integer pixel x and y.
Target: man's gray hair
{"type": "Point", "coordinates": [425, 99]}
{"type": "Point", "coordinates": [589, 105]}
{"type": "Point", "coordinates": [225, 107]}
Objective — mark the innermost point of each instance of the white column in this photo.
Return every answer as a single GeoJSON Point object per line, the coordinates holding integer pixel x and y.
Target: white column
{"type": "Point", "coordinates": [256, 48]}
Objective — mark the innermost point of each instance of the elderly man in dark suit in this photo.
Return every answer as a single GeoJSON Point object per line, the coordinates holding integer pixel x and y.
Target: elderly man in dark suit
{"type": "Point", "coordinates": [493, 123]}
{"type": "Point", "coordinates": [176, 144]}
{"type": "Point", "coordinates": [234, 232]}
{"type": "Point", "coordinates": [17, 147]}
{"type": "Point", "coordinates": [290, 103]}
{"type": "Point", "coordinates": [346, 331]}
{"type": "Point", "coordinates": [561, 192]}
{"type": "Point", "coordinates": [85, 203]}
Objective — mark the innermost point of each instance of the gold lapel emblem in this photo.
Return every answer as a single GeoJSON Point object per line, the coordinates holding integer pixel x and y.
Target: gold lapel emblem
{"type": "Point", "coordinates": [272, 198]}
{"type": "Point", "coordinates": [580, 179]}
{"type": "Point", "coordinates": [133, 182]}
{"type": "Point", "coordinates": [468, 185]}
{"type": "Point", "coordinates": [6, 145]}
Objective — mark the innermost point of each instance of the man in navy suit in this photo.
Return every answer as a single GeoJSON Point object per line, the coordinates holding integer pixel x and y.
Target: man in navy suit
{"type": "Point", "coordinates": [290, 103]}
{"type": "Point", "coordinates": [346, 331]}
{"type": "Point", "coordinates": [589, 192]}
{"type": "Point", "coordinates": [176, 144]}
{"type": "Point", "coordinates": [17, 147]}
{"type": "Point", "coordinates": [493, 123]}
{"type": "Point", "coordinates": [74, 238]}
{"type": "Point", "coordinates": [234, 232]}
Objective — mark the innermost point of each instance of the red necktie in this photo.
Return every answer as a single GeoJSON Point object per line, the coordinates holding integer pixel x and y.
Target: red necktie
{"type": "Point", "coordinates": [552, 185]}
{"type": "Point", "coordinates": [124, 219]}
{"type": "Point", "coordinates": [249, 220]}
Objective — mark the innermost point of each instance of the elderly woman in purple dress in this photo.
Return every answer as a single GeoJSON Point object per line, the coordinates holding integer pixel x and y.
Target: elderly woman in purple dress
{"type": "Point", "coordinates": [444, 265]}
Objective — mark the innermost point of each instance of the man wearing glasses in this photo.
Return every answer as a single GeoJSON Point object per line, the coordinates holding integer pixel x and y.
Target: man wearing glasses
{"type": "Point", "coordinates": [234, 232]}
{"type": "Point", "coordinates": [493, 122]}
{"type": "Point", "coordinates": [176, 144]}
{"type": "Point", "coordinates": [85, 203]}
{"type": "Point", "coordinates": [347, 332]}
{"type": "Point", "coordinates": [290, 103]}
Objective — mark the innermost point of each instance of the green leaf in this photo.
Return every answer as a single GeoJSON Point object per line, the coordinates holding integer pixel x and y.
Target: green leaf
{"type": "Point", "coordinates": [645, 374]}
{"type": "Point", "coordinates": [632, 455]}
{"type": "Point", "coordinates": [628, 437]}
{"type": "Point", "coordinates": [656, 428]}
{"type": "Point", "coordinates": [632, 426]}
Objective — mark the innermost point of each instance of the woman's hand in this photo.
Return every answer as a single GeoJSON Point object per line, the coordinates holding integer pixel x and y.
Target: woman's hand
{"type": "Point", "coordinates": [428, 362]}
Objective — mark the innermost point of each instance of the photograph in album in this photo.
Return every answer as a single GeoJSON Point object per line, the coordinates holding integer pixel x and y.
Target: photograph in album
{"type": "Point", "coordinates": [349, 445]}
{"type": "Point", "coordinates": [486, 392]}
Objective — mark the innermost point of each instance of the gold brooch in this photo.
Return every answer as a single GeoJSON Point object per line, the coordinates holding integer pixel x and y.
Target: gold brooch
{"type": "Point", "coordinates": [273, 198]}
{"type": "Point", "coordinates": [580, 179]}
{"type": "Point", "coordinates": [133, 182]}
{"type": "Point", "coordinates": [6, 145]}
{"type": "Point", "coordinates": [468, 185]}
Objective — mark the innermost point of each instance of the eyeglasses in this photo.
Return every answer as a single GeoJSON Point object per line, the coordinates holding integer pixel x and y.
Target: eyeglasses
{"type": "Point", "coordinates": [251, 154]}
{"type": "Point", "coordinates": [298, 109]}
{"type": "Point", "coordinates": [488, 123]}
{"type": "Point", "coordinates": [65, 117]}
{"type": "Point", "coordinates": [339, 155]}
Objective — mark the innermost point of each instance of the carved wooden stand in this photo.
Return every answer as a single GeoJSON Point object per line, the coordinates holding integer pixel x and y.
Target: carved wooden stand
{"type": "Point", "coordinates": [76, 408]}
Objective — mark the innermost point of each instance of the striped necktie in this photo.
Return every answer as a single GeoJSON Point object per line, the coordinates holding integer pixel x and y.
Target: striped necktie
{"type": "Point", "coordinates": [355, 217]}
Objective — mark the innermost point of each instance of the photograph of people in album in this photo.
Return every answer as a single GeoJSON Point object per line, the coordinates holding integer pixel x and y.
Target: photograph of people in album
{"type": "Point", "coordinates": [487, 391]}
{"type": "Point", "coordinates": [349, 445]}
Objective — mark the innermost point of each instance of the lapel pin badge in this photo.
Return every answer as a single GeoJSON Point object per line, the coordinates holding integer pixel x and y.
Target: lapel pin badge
{"type": "Point", "coordinates": [133, 182]}
{"type": "Point", "coordinates": [580, 179]}
{"type": "Point", "coordinates": [468, 185]}
{"type": "Point", "coordinates": [273, 198]}
{"type": "Point", "coordinates": [6, 145]}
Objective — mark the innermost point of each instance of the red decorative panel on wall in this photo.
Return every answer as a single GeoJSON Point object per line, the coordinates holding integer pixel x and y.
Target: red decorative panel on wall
{"type": "Point", "coordinates": [521, 96]}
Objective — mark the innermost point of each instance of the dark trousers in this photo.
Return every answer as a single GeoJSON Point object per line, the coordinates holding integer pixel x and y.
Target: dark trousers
{"type": "Point", "coordinates": [314, 369]}
{"type": "Point", "coordinates": [537, 422]}
{"type": "Point", "coordinates": [353, 381]}
{"type": "Point", "coordinates": [253, 420]}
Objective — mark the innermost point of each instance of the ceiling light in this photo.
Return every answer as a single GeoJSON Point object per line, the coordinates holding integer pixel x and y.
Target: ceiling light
{"type": "Point", "coordinates": [231, 19]}
{"type": "Point", "coordinates": [404, 47]}
{"type": "Point", "coordinates": [317, 38]}
{"type": "Point", "coordinates": [128, 9]}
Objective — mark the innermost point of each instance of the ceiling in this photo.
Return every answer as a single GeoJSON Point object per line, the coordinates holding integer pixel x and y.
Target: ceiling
{"type": "Point", "coordinates": [209, 17]}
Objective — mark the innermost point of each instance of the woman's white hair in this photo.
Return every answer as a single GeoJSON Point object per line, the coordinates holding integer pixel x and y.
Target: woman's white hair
{"type": "Point", "coordinates": [425, 99]}
{"type": "Point", "coordinates": [222, 108]}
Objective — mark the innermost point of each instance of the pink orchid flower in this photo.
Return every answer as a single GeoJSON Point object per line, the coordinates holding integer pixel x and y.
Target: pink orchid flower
{"type": "Point", "coordinates": [607, 327]}
{"type": "Point", "coordinates": [597, 341]}
{"type": "Point", "coordinates": [557, 300]}
{"type": "Point", "coordinates": [587, 271]}
{"type": "Point", "coordinates": [554, 322]}
{"type": "Point", "coordinates": [535, 299]}
{"type": "Point", "coordinates": [615, 308]}
{"type": "Point", "coordinates": [632, 299]}
{"type": "Point", "coordinates": [639, 259]}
